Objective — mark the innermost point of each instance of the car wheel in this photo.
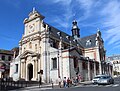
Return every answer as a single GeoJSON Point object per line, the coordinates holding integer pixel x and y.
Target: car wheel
{"type": "Point", "coordinates": [112, 82]}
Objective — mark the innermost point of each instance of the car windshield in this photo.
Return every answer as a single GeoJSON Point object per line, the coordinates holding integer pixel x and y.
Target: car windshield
{"type": "Point", "coordinates": [105, 77]}
{"type": "Point", "coordinates": [102, 77]}
{"type": "Point", "coordinates": [96, 77]}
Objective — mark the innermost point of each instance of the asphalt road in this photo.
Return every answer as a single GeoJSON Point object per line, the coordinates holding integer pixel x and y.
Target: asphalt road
{"type": "Point", "coordinates": [87, 87]}
{"type": "Point", "coordinates": [91, 87]}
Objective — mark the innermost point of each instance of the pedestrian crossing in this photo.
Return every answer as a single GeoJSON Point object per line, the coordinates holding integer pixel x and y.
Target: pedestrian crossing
{"type": "Point", "coordinates": [33, 89]}
{"type": "Point", "coordinates": [111, 85]}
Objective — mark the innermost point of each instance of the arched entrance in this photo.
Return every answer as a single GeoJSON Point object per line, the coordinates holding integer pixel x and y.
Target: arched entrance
{"type": "Point", "coordinates": [30, 71]}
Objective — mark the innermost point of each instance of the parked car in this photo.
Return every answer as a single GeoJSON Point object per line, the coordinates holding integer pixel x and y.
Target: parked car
{"type": "Point", "coordinates": [96, 78]}
{"type": "Point", "coordinates": [105, 80]}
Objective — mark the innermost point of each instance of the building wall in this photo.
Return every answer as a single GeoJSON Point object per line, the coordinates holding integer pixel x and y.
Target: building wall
{"type": "Point", "coordinates": [4, 64]}
{"type": "Point", "coordinates": [36, 50]}
{"type": "Point", "coordinates": [115, 61]}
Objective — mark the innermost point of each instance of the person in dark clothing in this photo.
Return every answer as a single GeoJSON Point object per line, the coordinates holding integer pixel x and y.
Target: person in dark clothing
{"type": "Point", "coordinates": [68, 82]}
{"type": "Point", "coordinates": [40, 82]}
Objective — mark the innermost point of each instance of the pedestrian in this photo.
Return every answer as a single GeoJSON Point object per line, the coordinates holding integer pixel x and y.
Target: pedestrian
{"type": "Point", "coordinates": [52, 83]}
{"type": "Point", "coordinates": [59, 81]}
{"type": "Point", "coordinates": [79, 78]}
{"type": "Point", "coordinates": [40, 82]}
{"type": "Point", "coordinates": [68, 82]}
{"type": "Point", "coordinates": [64, 82]}
{"type": "Point", "coordinates": [76, 79]}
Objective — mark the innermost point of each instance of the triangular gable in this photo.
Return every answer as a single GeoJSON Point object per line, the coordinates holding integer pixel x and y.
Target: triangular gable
{"type": "Point", "coordinates": [27, 52]}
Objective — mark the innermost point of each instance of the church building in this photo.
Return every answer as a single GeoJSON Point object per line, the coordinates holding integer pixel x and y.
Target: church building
{"type": "Point", "coordinates": [47, 52]}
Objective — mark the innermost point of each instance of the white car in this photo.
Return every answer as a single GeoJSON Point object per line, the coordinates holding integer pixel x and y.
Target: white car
{"type": "Point", "coordinates": [96, 79]}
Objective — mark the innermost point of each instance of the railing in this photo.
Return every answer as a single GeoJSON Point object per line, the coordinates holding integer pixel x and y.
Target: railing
{"type": "Point", "coordinates": [7, 84]}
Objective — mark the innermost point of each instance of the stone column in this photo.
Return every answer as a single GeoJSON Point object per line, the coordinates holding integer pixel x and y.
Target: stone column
{"type": "Point", "coordinates": [60, 72]}
{"type": "Point", "coordinates": [37, 69]}
{"type": "Point", "coordinates": [88, 70]}
{"type": "Point", "coordinates": [100, 68]}
{"type": "Point", "coordinates": [98, 59]}
{"type": "Point", "coordinates": [22, 69]}
{"type": "Point", "coordinates": [34, 69]}
{"type": "Point", "coordinates": [94, 68]}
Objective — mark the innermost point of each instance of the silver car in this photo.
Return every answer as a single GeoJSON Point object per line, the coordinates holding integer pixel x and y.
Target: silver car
{"type": "Point", "coordinates": [96, 79]}
{"type": "Point", "coordinates": [105, 79]}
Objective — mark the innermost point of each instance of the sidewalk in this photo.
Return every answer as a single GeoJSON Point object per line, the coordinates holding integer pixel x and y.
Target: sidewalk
{"type": "Point", "coordinates": [49, 86]}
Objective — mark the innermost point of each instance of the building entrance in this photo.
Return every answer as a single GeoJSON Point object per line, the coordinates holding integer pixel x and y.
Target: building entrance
{"type": "Point", "coordinates": [30, 71]}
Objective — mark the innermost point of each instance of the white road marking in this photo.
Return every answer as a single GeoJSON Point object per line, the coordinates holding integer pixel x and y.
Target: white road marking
{"type": "Point", "coordinates": [116, 85]}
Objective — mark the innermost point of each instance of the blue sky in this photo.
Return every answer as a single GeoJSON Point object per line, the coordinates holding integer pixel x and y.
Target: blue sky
{"type": "Point", "coordinates": [90, 15]}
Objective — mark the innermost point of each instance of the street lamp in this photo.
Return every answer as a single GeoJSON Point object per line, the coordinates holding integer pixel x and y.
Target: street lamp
{"type": "Point", "coordinates": [68, 38]}
{"type": "Point", "coordinates": [59, 34]}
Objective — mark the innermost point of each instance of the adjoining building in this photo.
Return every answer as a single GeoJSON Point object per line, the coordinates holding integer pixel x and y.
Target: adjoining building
{"type": "Point", "coordinates": [6, 56]}
{"type": "Point", "coordinates": [47, 52]}
{"type": "Point", "coordinates": [115, 61]}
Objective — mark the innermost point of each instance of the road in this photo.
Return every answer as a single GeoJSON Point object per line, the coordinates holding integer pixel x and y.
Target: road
{"type": "Point", "coordinates": [82, 87]}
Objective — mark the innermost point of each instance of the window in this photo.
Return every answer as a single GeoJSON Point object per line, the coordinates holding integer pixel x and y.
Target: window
{"type": "Point", "coordinates": [35, 47]}
{"type": "Point", "coordinates": [54, 62]}
{"type": "Point", "coordinates": [75, 63]}
{"type": "Point", "coordinates": [30, 45]}
{"type": "Point", "coordinates": [3, 57]}
{"type": "Point", "coordinates": [88, 42]}
{"type": "Point", "coordinates": [84, 65]}
{"type": "Point", "coordinates": [24, 48]}
{"type": "Point", "coordinates": [16, 68]}
{"type": "Point", "coordinates": [9, 58]}
{"type": "Point", "coordinates": [54, 43]}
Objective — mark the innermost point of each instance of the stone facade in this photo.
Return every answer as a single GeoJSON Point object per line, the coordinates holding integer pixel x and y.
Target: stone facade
{"type": "Point", "coordinates": [52, 53]}
{"type": "Point", "coordinates": [6, 56]}
{"type": "Point", "coordinates": [115, 61]}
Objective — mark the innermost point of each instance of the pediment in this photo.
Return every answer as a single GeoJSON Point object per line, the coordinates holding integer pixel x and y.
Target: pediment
{"type": "Point", "coordinates": [27, 53]}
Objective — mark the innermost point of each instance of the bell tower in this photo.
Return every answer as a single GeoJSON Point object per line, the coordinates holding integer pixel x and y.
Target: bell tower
{"type": "Point", "coordinates": [75, 30]}
{"type": "Point", "coordinates": [33, 23]}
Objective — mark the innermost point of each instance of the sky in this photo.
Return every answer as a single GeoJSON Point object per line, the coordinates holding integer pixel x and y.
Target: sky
{"type": "Point", "coordinates": [91, 15]}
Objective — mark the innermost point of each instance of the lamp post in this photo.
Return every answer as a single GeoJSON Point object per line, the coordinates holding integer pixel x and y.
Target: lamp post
{"type": "Point", "coordinates": [59, 47]}
{"type": "Point", "coordinates": [58, 65]}
{"type": "Point", "coordinates": [68, 38]}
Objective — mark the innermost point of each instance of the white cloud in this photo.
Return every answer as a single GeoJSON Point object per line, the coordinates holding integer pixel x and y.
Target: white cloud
{"type": "Point", "coordinates": [86, 5]}
{"type": "Point", "coordinates": [63, 2]}
{"type": "Point", "coordinates": [112, 14]}
{"type": "Point", "coordinates": [66, 16]}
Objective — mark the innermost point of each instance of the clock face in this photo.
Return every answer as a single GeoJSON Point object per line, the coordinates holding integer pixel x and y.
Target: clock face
{"type": "Point", "coordinates": [31, 27]}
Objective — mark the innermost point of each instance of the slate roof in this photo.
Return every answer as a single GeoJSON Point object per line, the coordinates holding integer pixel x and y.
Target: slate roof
{"type": "Point", "coordinates": [54, 31]}
{"type": "Point", "coordinates": [80, 41]}
{"type": "Point", "coordinates": [84, 40]}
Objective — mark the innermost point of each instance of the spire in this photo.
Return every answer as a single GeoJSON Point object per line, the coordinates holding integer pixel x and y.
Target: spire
{"type": "Point", "coordinates": [75, 29]}
{"type": "Point", "coordinates": [33, 9]}
{"type": "Point", "coordinates": [98, 32]}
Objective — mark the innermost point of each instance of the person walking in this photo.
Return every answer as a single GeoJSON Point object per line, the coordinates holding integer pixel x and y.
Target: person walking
{"type": "Point", "coordinates": [79, 78]}
{"type": "Point", "coordinates": [40, 82]}
{"type": "Point", "coordinates": [59, 81]}
{"type": "Point", "coordinates": [68, 82]}
{"type": "Point", "coordinates": [64, 82]}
